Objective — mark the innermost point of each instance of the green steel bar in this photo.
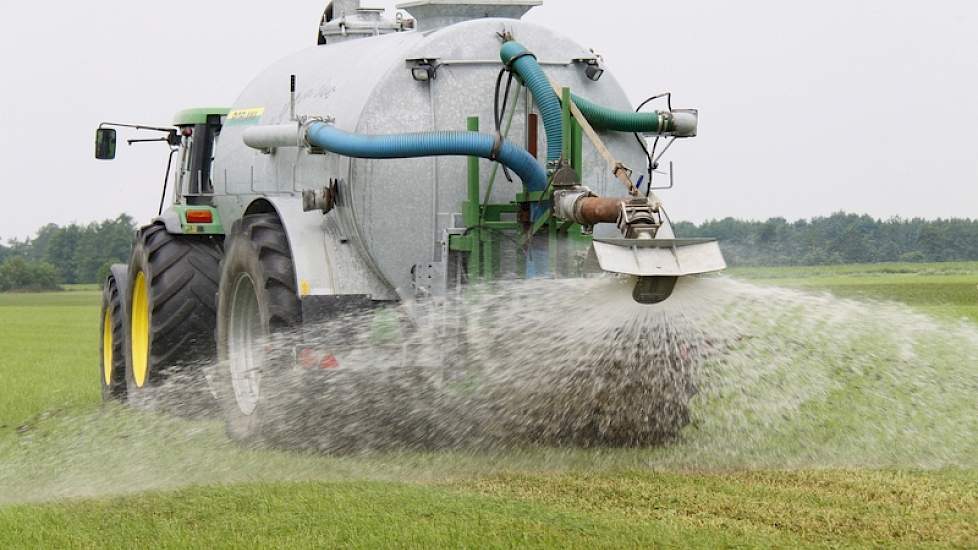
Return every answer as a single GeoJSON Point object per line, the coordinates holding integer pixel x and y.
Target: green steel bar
{"type": "Point", "coordinates": [472, 208]}
{"type": "Point", "coordinates": [566, 104]}
{"type": "Point", "coordinates": [460, 243]}
{"type": "Point", "coordinates": [567, 155]}
{"type": "Point", "coordinates": [489, 255]}
{"type": "Point", "coordinates": [501, 226]}
{"type": "Point", "coordinates": [533, 196]}
{"type": "Point", "coordinates": [553, 247]}
{"type": "Point", "coordinates": [577, 144]}
{"type": "Point", "coordinates": [493, 212]}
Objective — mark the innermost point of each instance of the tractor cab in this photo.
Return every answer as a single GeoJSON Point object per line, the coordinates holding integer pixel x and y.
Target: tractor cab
{"type": "Point", "coordinates": [193, 136]}
{"type": "Point", "coordinates": [199, 130]}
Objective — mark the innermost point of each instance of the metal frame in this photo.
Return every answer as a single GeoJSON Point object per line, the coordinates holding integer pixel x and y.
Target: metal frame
{"type": "Point", "coordinates": [485, 230]}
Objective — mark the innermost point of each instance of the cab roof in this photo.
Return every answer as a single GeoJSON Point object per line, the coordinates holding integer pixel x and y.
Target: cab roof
{"type": "Point", "coordinates": [189, 117]}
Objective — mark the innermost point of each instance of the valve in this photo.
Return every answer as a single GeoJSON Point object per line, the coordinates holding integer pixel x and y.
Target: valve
{"type": "Point", "coordinates": [637, 219]}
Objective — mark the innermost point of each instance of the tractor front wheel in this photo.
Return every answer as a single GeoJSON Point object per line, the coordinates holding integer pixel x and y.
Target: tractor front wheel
{"type": "Point", "coordinates": [112, 341]}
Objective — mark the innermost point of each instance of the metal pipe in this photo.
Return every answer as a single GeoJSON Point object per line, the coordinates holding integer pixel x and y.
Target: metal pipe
{"type": "Point", "coordinates": [269, 138]}
{"type": "Point", "coordinates": [580, 206]}
{"type": "Point", "coordinates": [595, 210]}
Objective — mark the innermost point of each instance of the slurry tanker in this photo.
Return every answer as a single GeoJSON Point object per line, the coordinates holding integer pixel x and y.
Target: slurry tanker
{"type": "Point", "coordinates": [395, 160]}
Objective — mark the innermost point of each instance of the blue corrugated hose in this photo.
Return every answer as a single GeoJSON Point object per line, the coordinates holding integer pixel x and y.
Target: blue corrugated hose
{"type": "Point", "coordinates": [536, 81]}
{"type": "Point", "coordinates": [429, 144]}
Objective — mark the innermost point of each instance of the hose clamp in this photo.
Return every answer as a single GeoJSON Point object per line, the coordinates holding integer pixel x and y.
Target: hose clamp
{"type": "Point", "coordinates": [511, 62]}
{"type": "Point", "coordinates": [497, 146]}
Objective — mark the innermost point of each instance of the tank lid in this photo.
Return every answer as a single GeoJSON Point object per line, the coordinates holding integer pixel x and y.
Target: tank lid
{"type": "Point", "coordinates": [435, 14]}
{"type": "Point", "coordinates": [347, 20]}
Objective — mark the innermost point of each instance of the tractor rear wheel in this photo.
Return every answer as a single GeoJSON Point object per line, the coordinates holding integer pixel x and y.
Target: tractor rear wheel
{"type": "Point", "coordinates": [257, 301]}
{"type": "Point", "coordinates": [112, 344]}
{"type": "Point", "coordinates": [173, 285]}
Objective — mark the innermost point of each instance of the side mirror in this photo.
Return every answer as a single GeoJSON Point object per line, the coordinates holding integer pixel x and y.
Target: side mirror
{"type": "Point", "coordinates": [105, 139]}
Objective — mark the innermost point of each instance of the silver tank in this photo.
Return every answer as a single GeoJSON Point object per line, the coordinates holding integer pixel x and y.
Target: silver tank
{"type": "Point", "coordinates": [393, 214]}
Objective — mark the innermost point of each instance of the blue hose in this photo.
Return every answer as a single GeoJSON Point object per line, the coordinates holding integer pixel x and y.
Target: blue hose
{"type": "Point", "coordinates": [429, 144]}
{"type": "Point", "coordinates": [525, 64]}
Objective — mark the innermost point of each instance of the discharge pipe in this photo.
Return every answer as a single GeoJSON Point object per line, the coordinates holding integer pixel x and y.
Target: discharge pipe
{"type": "Point", "coordinates": [678, 123]}
{"type": "Point", "coordinates": [580, 206]}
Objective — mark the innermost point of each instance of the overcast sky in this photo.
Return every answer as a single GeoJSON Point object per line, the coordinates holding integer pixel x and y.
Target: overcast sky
{"type": "Point", "coordinates": [806, 107]}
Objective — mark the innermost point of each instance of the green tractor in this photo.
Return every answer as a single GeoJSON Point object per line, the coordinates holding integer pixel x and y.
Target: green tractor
{"type": "Point", "coordinates": [159, 311]}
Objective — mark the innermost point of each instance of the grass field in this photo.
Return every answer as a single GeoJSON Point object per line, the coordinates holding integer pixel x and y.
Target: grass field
{"type": "Point", "coordinates": [947, 290]}
{"type": "Point", "coordinates": [74, 474]}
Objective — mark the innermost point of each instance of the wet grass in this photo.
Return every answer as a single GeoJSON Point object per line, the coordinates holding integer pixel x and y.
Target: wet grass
{"type": "Point", "coordinates": [60, 448]}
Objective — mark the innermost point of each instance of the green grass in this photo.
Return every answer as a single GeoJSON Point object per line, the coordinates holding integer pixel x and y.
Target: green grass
{"type": "Point", "coordinates": [48, 354]}
{"type": "Point", "coordinates": [78, 475]}
{"type": "Point", "coordinates": [864, 270]}
{"type": "Point", "coordinates": [630, 509]}
{"type": "Point", "coordinates": [946, 290]}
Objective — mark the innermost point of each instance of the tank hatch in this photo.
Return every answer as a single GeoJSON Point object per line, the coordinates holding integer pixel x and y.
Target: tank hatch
{"type": "Point", "coordinates": [435, 14]}
{"type": "Point", "coordinates": [348, 20]}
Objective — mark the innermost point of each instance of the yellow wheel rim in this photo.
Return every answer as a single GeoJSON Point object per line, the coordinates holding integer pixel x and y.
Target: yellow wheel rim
{"type": "Point", "coordinates": [107, 343]}
{"type": "Point", "coordinates": [140, 330]}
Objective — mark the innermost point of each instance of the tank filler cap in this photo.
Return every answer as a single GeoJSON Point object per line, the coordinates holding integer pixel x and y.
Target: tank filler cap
{"type": "Point", "coordinates": [435, 14]}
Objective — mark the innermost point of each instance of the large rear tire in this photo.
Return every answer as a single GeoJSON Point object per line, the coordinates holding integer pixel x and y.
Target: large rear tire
{"type": "Point", "coordinates": [172, 310]}
{"type": "Point", "coordinates": [112, 343]}
{"type": "Point", "coordinates": [256, 301]}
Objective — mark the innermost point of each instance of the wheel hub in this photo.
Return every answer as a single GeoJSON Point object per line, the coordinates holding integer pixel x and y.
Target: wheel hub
{"type": "Point", "coordinates": [140, 330]}
{"type": "Point", "coordinates": [246, 352]}
{"type": "Point", "coordinates": [107, 343]}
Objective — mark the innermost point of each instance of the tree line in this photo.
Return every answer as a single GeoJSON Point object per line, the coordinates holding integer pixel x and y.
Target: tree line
{"type": "Point", "coordinates": [65, 255]}
{"type": "Point", "coordinates": [83, 253]}
{"type": "Point", "coordinates": [839, 239]}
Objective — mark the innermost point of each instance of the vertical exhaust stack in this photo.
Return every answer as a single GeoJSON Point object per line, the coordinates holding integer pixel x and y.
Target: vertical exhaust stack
{"type": "Point", "coordinates": [436, 14]}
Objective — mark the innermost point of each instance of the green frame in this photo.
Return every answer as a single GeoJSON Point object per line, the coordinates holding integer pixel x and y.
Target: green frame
{"type": "Point", "coordinates": [484, 222]}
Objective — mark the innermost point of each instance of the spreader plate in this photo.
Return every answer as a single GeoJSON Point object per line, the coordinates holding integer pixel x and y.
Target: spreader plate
{"type": "Point", "coordinates": [659, 257]}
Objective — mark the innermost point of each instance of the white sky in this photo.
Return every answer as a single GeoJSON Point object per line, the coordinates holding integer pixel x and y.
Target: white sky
{"type": "Point", "coordinates": [870, 106]}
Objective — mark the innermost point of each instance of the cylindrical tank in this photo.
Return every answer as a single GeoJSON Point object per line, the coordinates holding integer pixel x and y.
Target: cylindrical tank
{"type": "Point", "coordinates": [396, 212]}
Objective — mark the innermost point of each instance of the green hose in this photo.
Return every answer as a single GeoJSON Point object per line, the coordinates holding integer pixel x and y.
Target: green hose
{"type": "Point", "coordinates": [603, 118]}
